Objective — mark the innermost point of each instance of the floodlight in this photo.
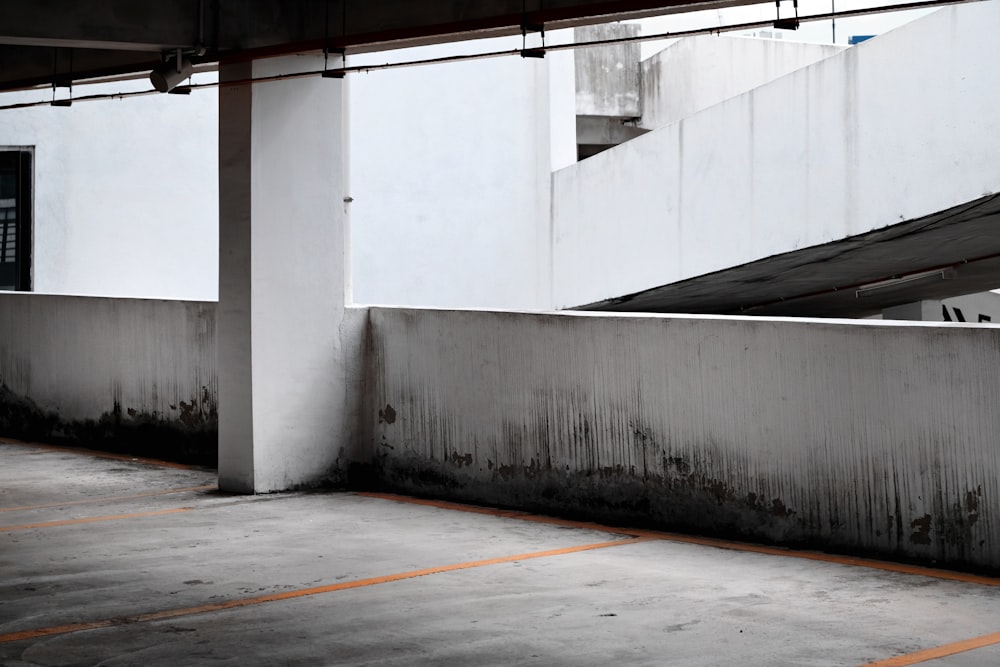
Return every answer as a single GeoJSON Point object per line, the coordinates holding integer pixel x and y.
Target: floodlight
{"type": "Point", "coordinates": [170, 74]}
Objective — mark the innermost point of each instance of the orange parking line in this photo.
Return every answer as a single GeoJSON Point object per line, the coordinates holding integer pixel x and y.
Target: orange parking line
{"type": "Point", "coordinates": [869, 563]}
{"type": "Point", "coordinates": [96, 454]}
{"type": "Point", "coordinates": [937, 652]}
{"type": "Point", "coordinates": [111, 499]}
{"type": "Point", "coordinates": [92, 519]}
{"type": "Point", "coordinates": [303, 592]}
{"type": "Point", "coordinates": [55, 630]}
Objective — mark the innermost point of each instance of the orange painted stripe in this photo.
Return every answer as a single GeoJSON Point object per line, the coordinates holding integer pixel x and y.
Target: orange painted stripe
{"type": "Point", "coordinates": [702, 541]}
{"type": "Point", "coordinates": [55, 630]}
{"type": "Point", "coordinates": [303, 592]}
{"type": "Point", "coordinates": [92, 519]}
{"type": "Point", "coordinates": [937, 652]}
{"type": "Point", "coordinates": [97, 454]}
{"type": "Point", "coordinates": [111, 499]}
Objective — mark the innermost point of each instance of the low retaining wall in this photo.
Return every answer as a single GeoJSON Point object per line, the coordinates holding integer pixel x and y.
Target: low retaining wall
{"type": "Point", "coordinates": [136, 375]}
{"type": "Point", "coordinates": [858, 436]}
{"type": "Point", "coordinates": [862, 436]}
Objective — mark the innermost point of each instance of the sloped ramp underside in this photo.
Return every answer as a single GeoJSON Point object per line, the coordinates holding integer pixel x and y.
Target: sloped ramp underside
{"type": "Point", "coordinates": [947, 254]}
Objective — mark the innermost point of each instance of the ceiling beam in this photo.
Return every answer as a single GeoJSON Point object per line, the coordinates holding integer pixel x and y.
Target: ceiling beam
{"type": "Point", "coordinates": [103, 37]}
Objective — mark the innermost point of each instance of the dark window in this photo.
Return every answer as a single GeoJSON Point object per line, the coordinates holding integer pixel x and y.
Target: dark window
{"type": "Point", "coordinates": [15, 220]}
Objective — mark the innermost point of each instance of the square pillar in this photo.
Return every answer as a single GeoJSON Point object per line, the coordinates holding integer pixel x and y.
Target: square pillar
{"type": "Point", "coordinates": [282, 268]}
{"type": "Point", "coordinates": [920, 311]}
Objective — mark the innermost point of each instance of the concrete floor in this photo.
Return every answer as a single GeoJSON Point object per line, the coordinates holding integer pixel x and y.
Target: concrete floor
{"type": "Point", "coordinates": [111, 561]}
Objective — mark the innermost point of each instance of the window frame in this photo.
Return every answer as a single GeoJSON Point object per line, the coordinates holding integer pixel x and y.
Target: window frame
{"type": "Point", "coordinates": [22, 158]}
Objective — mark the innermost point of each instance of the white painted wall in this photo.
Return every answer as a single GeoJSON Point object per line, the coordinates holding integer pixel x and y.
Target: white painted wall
{"type": "Point", "coordinates": [450, 176]}
{"type": "Point", "coordinates": [844, 433]}
{"type": "Point", "coordinates": [981, 307]}
{"type": "Point", "coordinates": [698, 72]}
{"type": "Point", "coordinates": [847, 145]}
{"type": "Point", "coordinates": [126, 199]}
{"type": "Point", "coordinates": [450, 180]}
{"type": "Point", "coordinates": [562, 105]}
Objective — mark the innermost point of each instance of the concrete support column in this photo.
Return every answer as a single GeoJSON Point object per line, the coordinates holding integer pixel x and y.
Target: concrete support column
{"type": "Point", "coordinates": [282, 267]}
{"type": "Point", "coordinates": [919, 311]}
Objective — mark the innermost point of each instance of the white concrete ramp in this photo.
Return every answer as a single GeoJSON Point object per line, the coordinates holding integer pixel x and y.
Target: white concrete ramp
{"type": "Point", "coordinates": [839, 189]}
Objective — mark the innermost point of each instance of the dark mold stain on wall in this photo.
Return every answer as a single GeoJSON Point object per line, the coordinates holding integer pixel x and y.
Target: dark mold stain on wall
{"type": "Point", "coordinates": [190, 437]}
{"type": "Point", "coordinates": [921, 530]}
{"type": "Point", "coordinates": [387, 415]}
{"type": "Point", "coordinates": [668, 487]}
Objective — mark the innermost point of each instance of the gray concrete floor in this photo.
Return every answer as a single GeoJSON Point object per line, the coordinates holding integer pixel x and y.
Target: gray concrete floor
{"type": "Point", "coordinates": [109, 561]}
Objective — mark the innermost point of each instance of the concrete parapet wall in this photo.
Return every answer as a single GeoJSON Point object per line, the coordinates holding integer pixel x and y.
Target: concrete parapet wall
{"type": "Point", "coordinates": [862, 436]}
{"type": "Point", "coordinates": [859, 436]}
{"type": "Point", "coordinates": [695, 73]}
{"type": "Point", "coordinates": [116, 373]}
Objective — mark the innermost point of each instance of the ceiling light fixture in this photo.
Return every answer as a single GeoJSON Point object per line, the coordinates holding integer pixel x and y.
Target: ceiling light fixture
{"type": "Point", "coordinates": [898, 281]}
{"type": "Point", "coordinates": [171, 72]}
{"type": "Point", "coordinates": [531, 26]}
{"type": "Point", "coordinates": [62, 82]}
{"type": "Point", "coordinates": [787, 23]}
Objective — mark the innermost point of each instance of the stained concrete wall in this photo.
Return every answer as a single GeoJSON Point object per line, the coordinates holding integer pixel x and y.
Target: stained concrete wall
{"type": "Point", "coordinates": [850, 435]}
{"type": "Point", "coordinates": [608, 77]}
{"type": "Point", "coordinates": [901, 126]}
{"type": "Point", "coordinates": [861, 436]}
{"type": "Point", "coordinates": [140, 376]}
{"type": "Point", "coordinates": [127, 374]}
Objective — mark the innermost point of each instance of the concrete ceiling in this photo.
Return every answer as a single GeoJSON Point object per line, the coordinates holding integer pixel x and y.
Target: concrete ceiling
{"type": "Point", "coordinates": [946, 254]}
{"type": "Point", "coordinates": [46, 41]}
